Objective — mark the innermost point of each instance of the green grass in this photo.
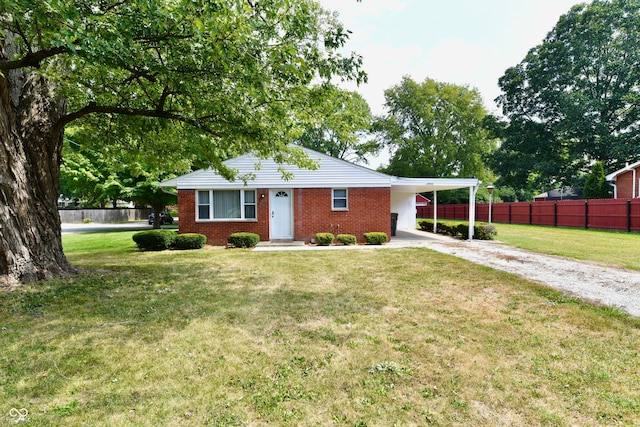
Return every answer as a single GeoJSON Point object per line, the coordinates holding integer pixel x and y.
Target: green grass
{"type": "Point", "coordinates": [607, 247]}
{"type": "Point", "coordinates": [366, 337]}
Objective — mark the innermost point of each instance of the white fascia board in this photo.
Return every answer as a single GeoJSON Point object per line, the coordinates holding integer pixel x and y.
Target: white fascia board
{"type": "Point", "coordinates": [612, 176]}
{"type": "Point", "coordinates": [419, 185]}
{"type": "Point", "coordinates": [171, 183]}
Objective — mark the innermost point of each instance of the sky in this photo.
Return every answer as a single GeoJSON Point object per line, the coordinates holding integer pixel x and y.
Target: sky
{"type": "Point", "coordinates": [465, 42]}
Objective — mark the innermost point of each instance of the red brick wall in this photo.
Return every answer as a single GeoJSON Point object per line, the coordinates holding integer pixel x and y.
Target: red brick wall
{"type": "Point", "coordinates": [218, 232]}
{"type": "Point", "coordinates": [624, 182]}
{"type": "Point", "coordinates": [369, 210]}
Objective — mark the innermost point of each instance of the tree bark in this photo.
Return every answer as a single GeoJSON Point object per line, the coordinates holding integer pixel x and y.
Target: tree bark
{"type": "Point", "coordinates": [30, 155]}
{"type": "Point", "coordinates": [157, 208]}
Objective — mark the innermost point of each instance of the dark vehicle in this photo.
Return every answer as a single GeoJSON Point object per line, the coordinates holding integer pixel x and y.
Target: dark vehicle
{"type": "Point", "coordinates": [165, 218]}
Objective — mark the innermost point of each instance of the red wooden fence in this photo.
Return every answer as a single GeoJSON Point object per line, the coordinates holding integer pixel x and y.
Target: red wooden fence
{"type": "Point", "coordinates": [605, 214]}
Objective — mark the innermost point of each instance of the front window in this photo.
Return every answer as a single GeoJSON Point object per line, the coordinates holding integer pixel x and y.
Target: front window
{"type": "Point", "coordinates": [226, 204]}
{"type": "Point", "coordinates": [339, 199]}
{"type": "Point", "coordinates": [204, 205]}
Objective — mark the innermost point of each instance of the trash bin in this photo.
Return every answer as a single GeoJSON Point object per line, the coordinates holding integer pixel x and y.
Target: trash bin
{"type": "Point", "coordinates": [394, 223]}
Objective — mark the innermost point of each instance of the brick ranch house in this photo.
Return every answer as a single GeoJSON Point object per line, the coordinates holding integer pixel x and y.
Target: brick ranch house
{"type": "Point", "coordinates": [338, 197]}
{"type": "Point", "coordinates": [625, 182]}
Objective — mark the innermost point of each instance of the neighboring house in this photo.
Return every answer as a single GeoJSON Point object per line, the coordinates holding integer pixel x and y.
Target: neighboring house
{"type": "Point", "coordinates": [421, 200]}
{"type": "Point", "coordinates": [625, 182]}
{"type": "Point", "coordinates": [338, 197]}
{"type": "Point", "coordinates": [559, 194]}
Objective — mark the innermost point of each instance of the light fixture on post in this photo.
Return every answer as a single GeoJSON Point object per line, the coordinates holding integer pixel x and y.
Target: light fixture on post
{"type": "Point", "coordinates": [490, 190]}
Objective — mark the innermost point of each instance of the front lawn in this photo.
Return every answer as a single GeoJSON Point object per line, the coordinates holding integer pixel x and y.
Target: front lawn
{"type": "Point", "coordinates": [362, 337]}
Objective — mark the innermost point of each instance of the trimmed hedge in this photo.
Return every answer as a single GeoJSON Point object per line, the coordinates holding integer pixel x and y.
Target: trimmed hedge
{"type": "Point", "coordinates": [376, 237]}
{"type": "Point", "coordinates": [347, 239]}
{"type": "Point", "coordinates": [324, 239]}
{"type": "Point", "coordinates": [481, 231]}
{"type": "Point", "coordinates": [244, 240]}
{"type": "Point", "coordinates": [190, 241]}
{"type": "Point", "coordinates": [154, 240]}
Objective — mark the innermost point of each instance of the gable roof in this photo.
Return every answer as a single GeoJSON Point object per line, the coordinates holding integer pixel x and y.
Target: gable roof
{"type": "Point", "coordinates": [561, 194]}
{"type": "Point", "coordinates": [627, 168]}
{"type": "Point", "coordinates": [267, 173]}
{"type": "Point", "coordinates": [421, 200]}
{"type": "Point", "coordinates": [332, 172]}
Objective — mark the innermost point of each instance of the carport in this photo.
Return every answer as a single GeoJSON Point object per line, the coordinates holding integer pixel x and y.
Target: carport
{"type": "Point", "coordinates": [403, 197]}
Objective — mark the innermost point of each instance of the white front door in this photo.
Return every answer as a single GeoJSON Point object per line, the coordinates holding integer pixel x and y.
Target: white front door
{"type": "Point", "coordinates": [281, 202]}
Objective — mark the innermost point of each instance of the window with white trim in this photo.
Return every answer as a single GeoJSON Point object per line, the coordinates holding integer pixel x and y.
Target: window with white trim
{"type": "Point", "coordinates": [226, 204]}
{"type": "Point", "coordinates": [339, 199]}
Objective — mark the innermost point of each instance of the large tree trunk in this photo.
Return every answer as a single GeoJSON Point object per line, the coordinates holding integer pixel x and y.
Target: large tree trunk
{"type": "Point", "coordinates": [30, 155]}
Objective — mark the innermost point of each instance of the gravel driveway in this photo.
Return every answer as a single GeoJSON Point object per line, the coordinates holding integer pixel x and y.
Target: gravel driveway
{"type": "Point", "coordinates": [611, 286]}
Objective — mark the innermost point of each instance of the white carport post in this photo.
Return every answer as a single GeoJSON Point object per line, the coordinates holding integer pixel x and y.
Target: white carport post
{"type": "Point", "coordinates": [472, 209]}
{"type": "Point", "coordinates": [435, 210]}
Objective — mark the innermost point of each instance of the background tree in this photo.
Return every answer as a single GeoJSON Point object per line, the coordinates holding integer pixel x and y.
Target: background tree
{"type": "Point", "coordinates": [97, 171]}
{"type": "Point", "coordinates": [434, 129]}
{"type": "Point", "coordinates": [574, 99]}
{"type": "Point", "coordinates": [219, 77]}
{"type": "Point", "coordinates": [88, 176]}
{"type": "Point", "coordinates": [596, 186]}
{"type": "Point", "coordinates": [342, 124]}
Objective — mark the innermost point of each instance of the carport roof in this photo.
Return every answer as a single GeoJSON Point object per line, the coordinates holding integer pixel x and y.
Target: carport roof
{"type": "Point", "coordinates": [421, 185]}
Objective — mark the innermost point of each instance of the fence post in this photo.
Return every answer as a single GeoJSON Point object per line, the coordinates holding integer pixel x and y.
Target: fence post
{"type": "Point", "coordinates": [628, 215]}
{"type": "Point", "coordinates": [509, 212]}
{"type": "Point", "coordinates": [530, 213]}
{"type": "Point", "coordinates": [586, 214]}
{"type": "Point", "coordinates": [555, 214]}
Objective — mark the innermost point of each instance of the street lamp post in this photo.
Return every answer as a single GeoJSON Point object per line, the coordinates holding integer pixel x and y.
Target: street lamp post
{"type": "Point", "coordinates": [490, 190]}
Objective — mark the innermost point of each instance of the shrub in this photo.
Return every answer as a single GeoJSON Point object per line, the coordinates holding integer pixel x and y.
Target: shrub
{"type": "Point", "coordinates": [190, 241]}
{"type": "Point", "coordinates": [426, 225]}
{"type": "Point", "coordinates": [324, 239]}
{"type": "Point", "coordinates": [154, 240]}
{"type": "Point", "coordinates": [174, 213]}
{"type": "Point", "coordinates": [485, 232]}
{"type": "Point", "coordinates": [376, 238]}
{"type": "Point", "coordinates": [442, 228]}
{"type": "Point", "coordinates": [244, 240]}
{"type": "Point", "coordinates": [463, 230]}
{"type": "Point", "coordinates": [87, 220]}
{"type": "Point", "coordinates": [347, 239]}
{"type": "Point", "coordinates": [481, 231]}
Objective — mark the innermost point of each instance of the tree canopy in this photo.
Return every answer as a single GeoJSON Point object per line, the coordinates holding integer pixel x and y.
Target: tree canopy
{"type": "Point", "coordinates": [197, 79]}
{"type": "Point", "coordinates": [574, 99]}
{"type": "Point", "coordinates": [434, 129]}
{"type": "Point", "coordinates": [341, 126]}
{"type": "Point", "coordinates": [221, 71]}
{"type": "Point", "coordinates": [596, 186]}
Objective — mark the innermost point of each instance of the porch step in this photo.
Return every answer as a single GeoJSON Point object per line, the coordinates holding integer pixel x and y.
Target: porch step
{"type": "Point", "coordinates": [282, 243]}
